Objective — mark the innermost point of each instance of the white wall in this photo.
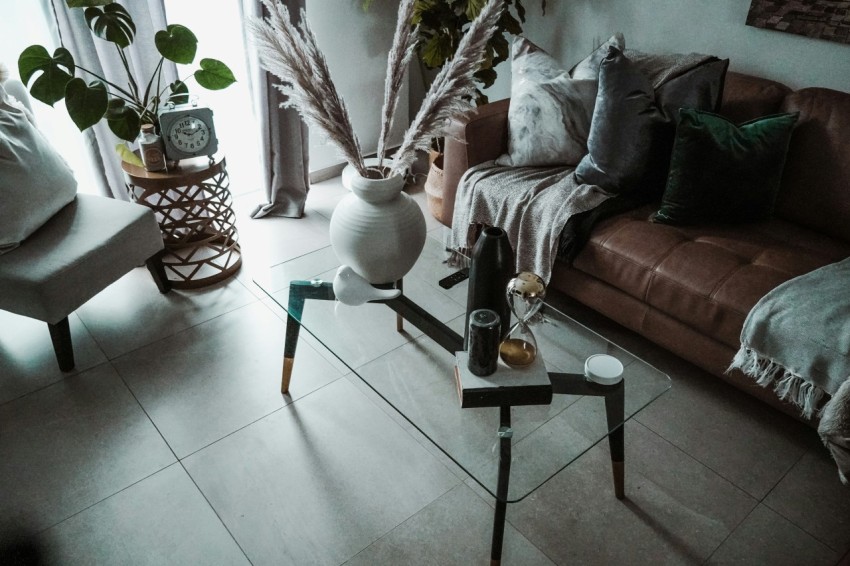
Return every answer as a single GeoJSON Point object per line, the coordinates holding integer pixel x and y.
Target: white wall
{"type": "Point", "coordinates": [356, 44]}
{"type": "Point", "coordinates": [572, 28]}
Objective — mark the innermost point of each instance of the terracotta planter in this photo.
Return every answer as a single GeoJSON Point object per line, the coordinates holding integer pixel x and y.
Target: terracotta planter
{"type": "Point", "coordinates": [434, 183]}
{"type": "Point", "coordinates": [377, 230]}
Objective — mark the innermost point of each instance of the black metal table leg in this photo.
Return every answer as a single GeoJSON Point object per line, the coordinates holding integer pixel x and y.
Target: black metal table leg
{"type": "Point", "coordinates": [615, 413]}
{"type": "Point", "coordinates": [299, 292]}
{"type": "Point", "coordinates": [505, 434]}
{"type": "Point", "coordinates": [578, 384]}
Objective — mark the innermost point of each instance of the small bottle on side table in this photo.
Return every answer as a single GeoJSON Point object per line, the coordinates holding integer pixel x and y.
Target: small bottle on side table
{"type": "Point", "coordinates": [151, 149]}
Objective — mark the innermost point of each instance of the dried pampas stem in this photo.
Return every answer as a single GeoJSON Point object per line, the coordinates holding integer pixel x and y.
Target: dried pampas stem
{"type": "Point", "coordinates": [445, 98]}
{"type": "Point", "coordinates": [404, 45]}
{"type": "Point", "coordinates": [296, 59]}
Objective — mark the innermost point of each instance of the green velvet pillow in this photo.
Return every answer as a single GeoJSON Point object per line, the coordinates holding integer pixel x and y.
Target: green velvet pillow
{"type": "Point", "coordinates": [720, 172]}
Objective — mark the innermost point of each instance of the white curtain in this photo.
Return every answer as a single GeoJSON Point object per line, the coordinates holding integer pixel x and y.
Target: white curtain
{"type": "Point", "coordinates": [101, 57]}
{"type": "Point", "coordinates": [283, 135]}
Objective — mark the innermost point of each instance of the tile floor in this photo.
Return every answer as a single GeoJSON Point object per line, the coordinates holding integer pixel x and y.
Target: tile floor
{"type": "Point", "coordinates": [171, 444]}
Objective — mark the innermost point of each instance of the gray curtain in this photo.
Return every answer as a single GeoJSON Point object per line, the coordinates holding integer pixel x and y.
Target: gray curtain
{"type": "Point", "coordinates": [284, 151]}
{"type": "Point", "coordinates": [101, 57]}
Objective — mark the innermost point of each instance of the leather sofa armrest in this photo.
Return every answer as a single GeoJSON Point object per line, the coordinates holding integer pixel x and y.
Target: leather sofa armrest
{"type": "Point", "coordinates": [477, 136]}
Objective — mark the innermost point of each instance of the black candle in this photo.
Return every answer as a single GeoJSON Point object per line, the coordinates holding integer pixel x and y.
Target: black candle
{"type": "Point", "coordinates": [484, 337]}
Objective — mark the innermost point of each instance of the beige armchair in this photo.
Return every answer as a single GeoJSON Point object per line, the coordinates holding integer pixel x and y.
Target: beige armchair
{"type": "Point", "coordinates": [82, 249]}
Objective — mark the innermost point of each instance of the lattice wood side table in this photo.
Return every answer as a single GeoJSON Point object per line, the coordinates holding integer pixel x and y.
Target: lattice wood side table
{"type": "Point", "coordinates": [193, 207]}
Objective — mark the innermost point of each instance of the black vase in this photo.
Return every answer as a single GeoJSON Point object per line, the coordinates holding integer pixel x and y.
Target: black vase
{"type": "Point", "coordinates": [491, 269]}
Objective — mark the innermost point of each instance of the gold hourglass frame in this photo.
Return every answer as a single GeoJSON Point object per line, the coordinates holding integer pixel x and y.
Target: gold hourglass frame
{"type": "Point", "coordinates": [525, 294]}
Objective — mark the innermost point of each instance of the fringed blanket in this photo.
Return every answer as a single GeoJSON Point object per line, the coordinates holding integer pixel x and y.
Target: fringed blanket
{"type": "Point", "coordinates": [797, 339]}
{"type": "Point", "coordinates": [532, 204]}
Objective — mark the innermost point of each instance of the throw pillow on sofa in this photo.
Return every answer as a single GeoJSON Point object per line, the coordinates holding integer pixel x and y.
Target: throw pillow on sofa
{"type": "Point", "coordinates": [722, 172]}
{"type": "Point", "coordinates": [588, 68]}
{"type": "Point", "coordinates": [633, 125]}
{"type": "Point", "coordinates": [549, 115]}
{"type": "Point", "coordinates": [35, 182]}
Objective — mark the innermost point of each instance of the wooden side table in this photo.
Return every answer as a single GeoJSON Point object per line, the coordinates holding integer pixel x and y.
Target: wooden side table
{"type": "Point", "coordinates": [193, 207]}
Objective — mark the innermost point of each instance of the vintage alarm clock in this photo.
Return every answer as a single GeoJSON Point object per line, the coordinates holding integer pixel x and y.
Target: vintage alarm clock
{"type": "Point", "coordinates": [187, 130]}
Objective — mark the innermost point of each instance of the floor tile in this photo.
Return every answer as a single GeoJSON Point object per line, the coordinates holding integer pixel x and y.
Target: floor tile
{"type": "Point", "coordinates": [27, 360]}
{"type": "Point", "coordinates": [742, 439]}
{"type": "Point", "coordinates": [131, 313]}
{"type": "Point", "coordinates": [325, 195]}
{"type": "Point", "coordinates": [318, 481]}
{"type": "Point", "coordinates": [676, 510]}
{"type": "Point", "coordinates": [72, 444]}
{"type": "Point", "coordinates": [812, 497]}
{"type": "Point", "coordinates": [206, 382]}
{"type": "Point", "coordinates": [163, 519]}
{"type": "Point", "coordinates": [275, 239]}
{"type": "Point", "coordinates": [767, 538]}
{"type": "Point", "coordinates": [456, 529]}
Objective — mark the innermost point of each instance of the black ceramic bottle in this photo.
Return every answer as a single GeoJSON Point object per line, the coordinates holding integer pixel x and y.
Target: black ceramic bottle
{"type": "Point", "coordinates": [491, 269]}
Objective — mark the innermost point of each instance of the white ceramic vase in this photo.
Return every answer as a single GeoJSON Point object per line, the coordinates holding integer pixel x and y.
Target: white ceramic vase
{"type": "Point", "coordinates": [378, 230]}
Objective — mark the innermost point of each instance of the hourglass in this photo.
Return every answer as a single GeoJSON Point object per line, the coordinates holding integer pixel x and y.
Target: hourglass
{"type": "Point", "coordinates": [525, 294]}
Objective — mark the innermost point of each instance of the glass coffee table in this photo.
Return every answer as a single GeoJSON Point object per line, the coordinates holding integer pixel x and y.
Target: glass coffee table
{"type": "Point", "coordinates": [405, 350]}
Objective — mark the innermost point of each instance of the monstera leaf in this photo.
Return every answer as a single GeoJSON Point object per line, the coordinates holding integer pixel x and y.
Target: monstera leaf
{"type": "Point", "coordinates": [179, 92]}
{"type": "Point", "coordinates": [111, 23]}
{"type": "Point", "coordinates": [176, 43]}
{"type": "Point", "coordinates": [86, 103]}
{"type": "Point", "coordinates": [214, 75]}
{"type": "Point", "coordinates": [123, 120]}
{"type": "Point", "coordinates": [56, 72]}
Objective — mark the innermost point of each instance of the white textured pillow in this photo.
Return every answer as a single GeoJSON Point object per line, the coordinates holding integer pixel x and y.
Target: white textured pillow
{"type": "Point", "coordinates": [549, 116]}
{"type": "Point", "coordinates": [35, 182]}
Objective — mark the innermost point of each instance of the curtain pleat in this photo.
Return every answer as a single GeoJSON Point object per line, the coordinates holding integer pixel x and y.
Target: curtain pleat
{"type": "Point", "coordinates": [284, 154]}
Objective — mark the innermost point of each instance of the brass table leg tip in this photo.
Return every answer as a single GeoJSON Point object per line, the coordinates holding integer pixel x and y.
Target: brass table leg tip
{"type": "Point", "coordinates": [287, 375]}
{"type": "Point", "coordinates": [496, 562]}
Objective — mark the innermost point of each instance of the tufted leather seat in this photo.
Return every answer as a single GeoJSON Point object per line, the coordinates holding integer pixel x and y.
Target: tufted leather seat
{"type": "Point", "coordinates": [706, 277]}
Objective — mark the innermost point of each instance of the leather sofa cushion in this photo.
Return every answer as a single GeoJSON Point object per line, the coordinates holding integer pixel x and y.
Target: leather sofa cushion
{"type": "Point", "coordinates": [815, 189]}
{"type": "Point", "coordinates": [708, 276]}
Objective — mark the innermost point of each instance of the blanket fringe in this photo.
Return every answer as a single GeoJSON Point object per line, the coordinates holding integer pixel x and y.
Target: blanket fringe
{"type": "Point", "coordinates": [787, 385]}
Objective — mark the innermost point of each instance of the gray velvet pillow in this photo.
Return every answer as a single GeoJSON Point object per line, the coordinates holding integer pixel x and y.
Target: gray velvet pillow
{"type": "Point", "coordinates": [626, 127]}
{"type": "Point", "coordinates": [588, 68]}
{"type": "Point", "coordinates": [35, 182]}
{"type": "Point", "coordinates": [633, 125]}
{"type": "Point", "coordinates": [550, 113]}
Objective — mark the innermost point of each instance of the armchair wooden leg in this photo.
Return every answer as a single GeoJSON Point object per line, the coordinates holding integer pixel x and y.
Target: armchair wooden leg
{"type": "Point", "coordinates": [157, 270]}
{"type": "Point", "coordinates": [60, 335]}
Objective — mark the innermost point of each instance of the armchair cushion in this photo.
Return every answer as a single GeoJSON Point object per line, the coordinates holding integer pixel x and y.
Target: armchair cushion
{"type": "Point", "coordinates": [86, 246]}
{"type": "Point", "coordinates": [35, 182]}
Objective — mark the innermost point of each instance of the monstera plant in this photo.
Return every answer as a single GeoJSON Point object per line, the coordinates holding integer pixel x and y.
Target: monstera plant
{"type": "Point", "coordinates": [123, 103]}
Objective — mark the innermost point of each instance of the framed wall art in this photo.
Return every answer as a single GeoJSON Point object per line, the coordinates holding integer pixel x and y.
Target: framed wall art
{"type": "Point", "coordinates": [821, 19]}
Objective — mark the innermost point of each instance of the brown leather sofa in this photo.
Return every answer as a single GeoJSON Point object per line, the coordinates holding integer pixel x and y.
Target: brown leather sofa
{"type": "Point", "coordinates": [689, 289]}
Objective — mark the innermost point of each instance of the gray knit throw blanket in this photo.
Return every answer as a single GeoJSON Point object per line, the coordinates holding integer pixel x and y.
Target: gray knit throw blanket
{"type": "Point", "coordinates": [532, 204]}
{"type": "Point", "coordinates": [797, 339]}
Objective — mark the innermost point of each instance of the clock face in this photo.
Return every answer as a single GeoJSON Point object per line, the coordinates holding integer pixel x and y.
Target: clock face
{"type": "Point", "coordinates": [189, 134]}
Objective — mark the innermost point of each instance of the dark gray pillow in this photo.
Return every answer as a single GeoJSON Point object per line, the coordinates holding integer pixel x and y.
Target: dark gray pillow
{"type": "Point", "coordinates": [588, 68]}
{"type": "Point", "coordinates": [626, 124]}
{"type": "Point", "coordinates": [633, 126]}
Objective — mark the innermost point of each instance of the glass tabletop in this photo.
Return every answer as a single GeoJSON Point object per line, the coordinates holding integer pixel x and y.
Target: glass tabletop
{"type": "Point", "coordinates": [416, 376]}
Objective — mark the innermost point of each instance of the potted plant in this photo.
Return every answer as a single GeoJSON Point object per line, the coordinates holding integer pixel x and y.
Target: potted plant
{"type": "Point", "coordinates": [125, 108]}
{"type": "Point", "coordinates": [442, 24]}
{"type": "Point", "coordinates": [377, 230]}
